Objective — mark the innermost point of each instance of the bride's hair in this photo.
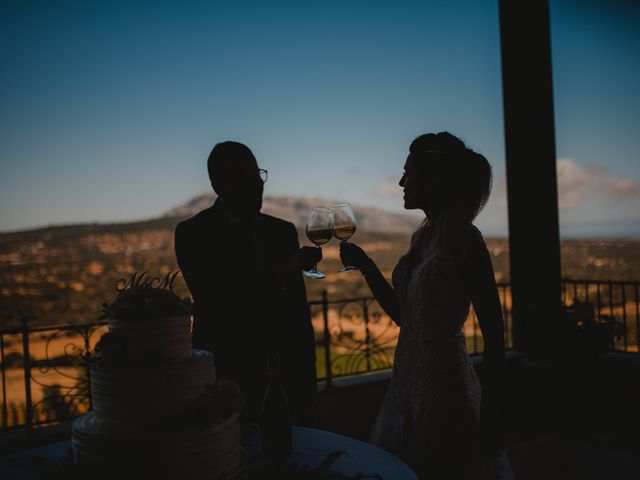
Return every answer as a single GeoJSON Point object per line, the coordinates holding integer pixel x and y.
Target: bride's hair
{"type": "Point", "coordinates": [459, 183]}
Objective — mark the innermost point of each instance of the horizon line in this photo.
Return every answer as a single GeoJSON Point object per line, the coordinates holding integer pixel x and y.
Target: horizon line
{"type": "Point", "coordinates": [107, 223]}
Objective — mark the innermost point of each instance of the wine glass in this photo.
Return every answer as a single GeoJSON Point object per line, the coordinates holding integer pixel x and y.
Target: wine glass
{"type": "Point", "coordinates": [344, 225]}
{"type": "Point", "coordinates": [319, 231]}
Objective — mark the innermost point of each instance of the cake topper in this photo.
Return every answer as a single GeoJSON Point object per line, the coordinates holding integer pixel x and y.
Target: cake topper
{"type": "Point", "coordinates": [147, 281]}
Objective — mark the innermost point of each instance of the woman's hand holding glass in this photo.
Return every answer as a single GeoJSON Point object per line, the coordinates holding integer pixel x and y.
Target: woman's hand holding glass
{"type": "Point", "coordinates": [351, 254]}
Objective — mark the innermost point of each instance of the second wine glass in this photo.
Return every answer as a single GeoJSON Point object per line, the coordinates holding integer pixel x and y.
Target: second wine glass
{"type": "Point", "coordinates": [344, 225]}
{"type": "Point", "coordinates": [319, 231]}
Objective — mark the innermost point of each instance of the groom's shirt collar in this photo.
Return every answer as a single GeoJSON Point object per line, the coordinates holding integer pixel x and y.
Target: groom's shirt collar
{"type": "Point", "coordinates": [220, 208]}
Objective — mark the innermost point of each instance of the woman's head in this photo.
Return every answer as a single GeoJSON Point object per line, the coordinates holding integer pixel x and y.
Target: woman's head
{"type": "Point", "coordinates": [447, 180]}
{"type": "Point", "coordinates": [444, 177]}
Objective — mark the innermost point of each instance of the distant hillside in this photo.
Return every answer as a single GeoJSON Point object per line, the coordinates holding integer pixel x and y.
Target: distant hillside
{"type": "Point", "coordinates": [296, 210]}
{"type": "Point", "coordinates": [59, 275]}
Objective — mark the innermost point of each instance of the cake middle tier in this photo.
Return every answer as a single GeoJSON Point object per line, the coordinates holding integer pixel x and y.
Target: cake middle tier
{"type": "Point", "coordinates": [159, 389]}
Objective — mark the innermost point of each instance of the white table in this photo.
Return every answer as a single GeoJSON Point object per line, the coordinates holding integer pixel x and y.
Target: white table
{"type": "Point", "coordinates": [310, 448]}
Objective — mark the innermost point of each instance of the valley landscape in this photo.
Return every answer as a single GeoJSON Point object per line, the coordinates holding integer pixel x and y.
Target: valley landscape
{"type": "Point", "coordinates": [62, 275]}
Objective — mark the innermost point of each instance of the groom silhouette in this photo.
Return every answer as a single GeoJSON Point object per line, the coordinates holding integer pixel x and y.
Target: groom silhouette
{"type": "Point", "coordinates": [243, 269]}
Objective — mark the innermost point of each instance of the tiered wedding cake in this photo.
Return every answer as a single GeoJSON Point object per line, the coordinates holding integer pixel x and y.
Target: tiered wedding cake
{"type": "Point", "coordinates": [156, 404]}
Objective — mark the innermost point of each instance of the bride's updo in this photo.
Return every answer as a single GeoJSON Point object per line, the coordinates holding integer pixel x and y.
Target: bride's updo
{"type": "Point", "coordinates": [457, 183]}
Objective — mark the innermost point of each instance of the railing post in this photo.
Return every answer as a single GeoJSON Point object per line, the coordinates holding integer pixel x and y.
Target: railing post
{"type": "Point", "coordinates": [26, 361]}
{"type": "Point", "coordinates": [637, 318]}
{"type": "Point", "coordinates": [586, 290]}
{"type": "Point", "coordinates": [503, 303]}
{"type": "Point", "coordinates": [613, 338]}
{"type": "Point", "coordinates": [624, 316]}
{"type": "Point", "coordinates": [87, 362]}
{"type": "Point", "coordinates": [326, 339]}
{"type": "Point", "coordinates": [367, 348]}
{"type": "Point", "coordinates": [5, 416]}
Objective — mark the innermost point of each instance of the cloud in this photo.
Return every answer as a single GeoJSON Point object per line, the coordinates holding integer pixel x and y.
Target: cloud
{"type": "Point", "coordinates": [573, 182]}
{"type": "Point", "coordinates": [620, 187]}
{"type": "Point", "coordinates": [389, 188]}
{"type": "Point", "coordinates": [499, 191]}
{"type": "Point", "coordinates": [576, 183]}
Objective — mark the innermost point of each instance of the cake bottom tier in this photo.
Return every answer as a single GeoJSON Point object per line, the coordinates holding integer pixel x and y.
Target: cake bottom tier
{"type": "Point", "coordinates": [195, 454]}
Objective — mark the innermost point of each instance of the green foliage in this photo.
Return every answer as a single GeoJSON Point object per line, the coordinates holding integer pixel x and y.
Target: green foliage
{"type": "Point", "coordinates": [55, 405]}
{"type": "Point", "coordinates": [13, 360]}
{"type": "Point", "coordinates": [16, 414]}
{"type": "Point", "coordinates": [585, 334]}
{"type": "Point", "coordinates": [141, 303]}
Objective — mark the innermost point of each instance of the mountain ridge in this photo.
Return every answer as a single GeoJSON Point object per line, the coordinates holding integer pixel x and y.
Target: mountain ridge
{"type": "Point", "coordinates": [291, 208]}
{"type": "Point", "coordinates": [296, 210]}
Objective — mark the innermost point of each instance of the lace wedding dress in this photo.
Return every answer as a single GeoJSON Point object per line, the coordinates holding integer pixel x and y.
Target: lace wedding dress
{"type": "Point", "coordinates": [430, 413]}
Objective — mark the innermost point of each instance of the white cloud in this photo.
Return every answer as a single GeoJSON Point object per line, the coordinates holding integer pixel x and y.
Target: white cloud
{"type": "Point", "coordinates": [620, 186]}
{"type": "Point", "coordinates": [499, 191]}
{"type": "Point", "coordinates": [576, 183]}
{"type": "Point", "coordinates": [389, 187]}
{"type": "Point", "coordinates": [573, 182]}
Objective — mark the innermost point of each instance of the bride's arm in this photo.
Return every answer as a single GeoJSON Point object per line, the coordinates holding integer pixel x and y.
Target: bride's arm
{"type": "Point", "coordinates": [353, 255]}
{"type": "Point", "coordinates": [486, 303]}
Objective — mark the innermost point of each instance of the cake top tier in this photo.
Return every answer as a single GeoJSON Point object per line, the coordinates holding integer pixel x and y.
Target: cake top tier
{"type": "Point", "coordinates": [147, 322]}
{"type": "Point", "coordinates": [142, 302]}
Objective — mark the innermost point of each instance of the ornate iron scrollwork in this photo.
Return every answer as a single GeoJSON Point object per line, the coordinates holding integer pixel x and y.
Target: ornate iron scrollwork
{"type": "Point", "coordinates": [71, 397]}
{"type": "Point", "coordinates": [363, 337]}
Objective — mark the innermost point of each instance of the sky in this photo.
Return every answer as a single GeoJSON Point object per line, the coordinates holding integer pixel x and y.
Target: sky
{"type": "Point", "coordinates": [108, 110]}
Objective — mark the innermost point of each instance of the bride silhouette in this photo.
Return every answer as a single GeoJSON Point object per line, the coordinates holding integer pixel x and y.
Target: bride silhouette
{"type": "Point", "coordinates": [435, 414]}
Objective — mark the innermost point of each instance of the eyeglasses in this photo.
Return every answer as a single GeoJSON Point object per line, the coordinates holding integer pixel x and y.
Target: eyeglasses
{"type": "Point", "coordinates": [263, 174]}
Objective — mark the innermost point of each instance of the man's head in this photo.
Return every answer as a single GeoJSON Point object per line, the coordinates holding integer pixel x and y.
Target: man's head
{"type": "Point", "coordinates": [235, 177]}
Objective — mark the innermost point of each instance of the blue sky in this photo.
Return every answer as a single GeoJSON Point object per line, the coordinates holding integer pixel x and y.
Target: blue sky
{"type": "Point", "coordinates": [108, 110]}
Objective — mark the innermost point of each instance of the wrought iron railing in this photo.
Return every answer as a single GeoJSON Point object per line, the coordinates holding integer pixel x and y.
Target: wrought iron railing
{"type": "Point", "coordinates": [52, 360]}
{"type": "Point", "coordinates": [617, 299]}
{"type": "Point", "coordinates": [45, 376]}
{"type": "Point", "coordinates": [355, 336]}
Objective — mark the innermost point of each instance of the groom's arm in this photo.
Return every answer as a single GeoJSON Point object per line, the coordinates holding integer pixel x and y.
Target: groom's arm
{"type": "Point", "coordinates": [299, 349]}
{"type": "Point", "coordinates": [187, 257]}
{"type": "Point", "coordinates": [298, 308]}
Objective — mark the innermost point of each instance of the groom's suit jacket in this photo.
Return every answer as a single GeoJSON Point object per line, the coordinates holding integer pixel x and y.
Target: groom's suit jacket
{"type": "Point", "coordinates": [245, 305]}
